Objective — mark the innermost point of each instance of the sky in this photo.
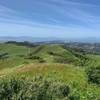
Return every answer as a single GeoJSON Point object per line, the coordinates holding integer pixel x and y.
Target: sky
{"type": "Point", "coordinates": [50, 18]}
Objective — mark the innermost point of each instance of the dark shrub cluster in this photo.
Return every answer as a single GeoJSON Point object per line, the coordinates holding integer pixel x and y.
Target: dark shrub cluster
{"type": "Point", "coordinates": [4, 55]}
{"type": "Point", "coordinates": [35, 89]}
{"type": "Point", "coordinates": [94, 75]}
{"type": "Point", "coordinates": [40, 88]}
{"type": "Point", "coordinates": [25, 43]}
{"type": "Point", "coordinates": [38, 58]}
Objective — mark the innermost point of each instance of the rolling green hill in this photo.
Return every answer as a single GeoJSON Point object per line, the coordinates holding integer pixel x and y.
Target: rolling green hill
{"type": "Point", "coordinates": [17, 55]}
{"type": "Point", "coordinates": [33, 71]}
{"type": "Point", "coordinates": [54, 54]}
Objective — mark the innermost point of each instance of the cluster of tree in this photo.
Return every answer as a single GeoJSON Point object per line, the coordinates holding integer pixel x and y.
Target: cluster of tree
{"type": "Point", "coordinates": [33, 57]}
{"type": "Point", "coordinates": [55, 54]}
{"type": "Point", "coordinates": [25, 43]}
{"type": "Point", "coordinates": [3, 56]}
{"type": "Point", "coordinates": [83, 58]}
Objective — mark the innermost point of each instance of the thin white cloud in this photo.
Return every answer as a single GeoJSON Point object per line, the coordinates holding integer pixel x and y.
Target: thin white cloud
{"type": "Point", "coordinates": [17, 24]}
{"type": "Point", "coordinates": [5, 9]}
{"type": "Point", "coordinates": [41, 31]}
{"type": "Point", "coordinates": [6, 12]}
{"type": "Point", "coordinates": [73, 10]}
{"type": "Point", "coordinates": [75, 3]}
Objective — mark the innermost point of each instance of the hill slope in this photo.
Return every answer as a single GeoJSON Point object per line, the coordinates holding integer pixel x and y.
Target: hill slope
{"type": "Point", "coordinates": [14, 55]}
{"type": "Point", "coordinates": [54, 53]}
{"type": "Point", "coordinates": [33, 67]}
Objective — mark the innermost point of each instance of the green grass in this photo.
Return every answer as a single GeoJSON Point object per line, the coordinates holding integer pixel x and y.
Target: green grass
{"type": "Point", "coordinates": [71, 75]}
{"type": "Point", "coordinates": [95, 60]}
{"type": "Point", "coordinates": [60, 65]}
{"type": "Point", "coordinates": [18, 55]}
{"type": "Point", "coordinates": [61, 71]}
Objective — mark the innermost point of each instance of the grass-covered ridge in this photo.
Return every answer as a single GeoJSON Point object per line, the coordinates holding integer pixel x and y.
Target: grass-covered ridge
{"type": "Point", "coordinates": [18, 54]}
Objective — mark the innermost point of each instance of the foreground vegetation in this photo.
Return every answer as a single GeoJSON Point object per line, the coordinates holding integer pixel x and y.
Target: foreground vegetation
{"type": "Point", "coordinates": [48, 72]}
{"type": "Point", "coordinates": [39, 88]}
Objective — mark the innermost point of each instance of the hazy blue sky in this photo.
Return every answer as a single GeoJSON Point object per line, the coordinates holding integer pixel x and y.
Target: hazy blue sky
{"type": "Point", "coordinates": [50, 18]}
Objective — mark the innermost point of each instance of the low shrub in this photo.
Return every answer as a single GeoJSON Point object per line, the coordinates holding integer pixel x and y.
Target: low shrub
{"type": "Point", "coordinates": [94, 75]}
{"type": "Point", "coordinates": [40, 88]}
{"type": "Point", "coordinates": [35, 89]}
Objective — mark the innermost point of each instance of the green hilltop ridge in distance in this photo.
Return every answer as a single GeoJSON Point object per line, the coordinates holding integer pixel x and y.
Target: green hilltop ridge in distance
{"type": "Point", "coordinates": [16, 54]}
{"type": "Point", "coordinates": [54, 53]}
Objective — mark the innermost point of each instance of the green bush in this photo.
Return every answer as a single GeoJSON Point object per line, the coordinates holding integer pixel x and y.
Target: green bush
{"type": "Point", "coordinates": [94, 75]}
{"type": "Point", "coordinates": [40, 88]}
{"type": "Point", "coordinates": [10, 88]}
{"type": "Point", "coordinates": [35, 89]}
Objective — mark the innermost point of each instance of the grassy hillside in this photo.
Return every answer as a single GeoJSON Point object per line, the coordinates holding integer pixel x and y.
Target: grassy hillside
{"type": "Point", "coordinates": [17, 55]}
{"type": "Point", "coordinates": [72, 76]}
{"type": "Point", "coordinates": [13, 55]}
{"type": "Point", "coordinates": [54, 53]}
{"type": "Point", "coordinates": [46, 72]}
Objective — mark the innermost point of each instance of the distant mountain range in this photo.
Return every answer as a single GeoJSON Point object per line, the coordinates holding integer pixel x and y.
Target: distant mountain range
{"type": "Point", "coordinates": [24, 38]}
{"type": "Point", "coordinates": [49, 39]}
